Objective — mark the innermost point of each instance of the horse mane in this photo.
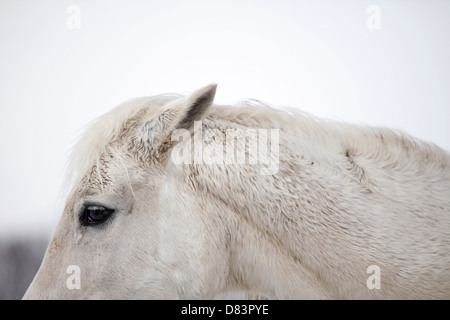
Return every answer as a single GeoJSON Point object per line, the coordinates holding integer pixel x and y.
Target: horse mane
{"type": "Point", "coordinates": [324, 141]}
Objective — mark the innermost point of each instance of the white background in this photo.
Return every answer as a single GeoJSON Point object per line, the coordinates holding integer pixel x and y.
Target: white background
{"type": "Point", "coordinates": [319, 56]}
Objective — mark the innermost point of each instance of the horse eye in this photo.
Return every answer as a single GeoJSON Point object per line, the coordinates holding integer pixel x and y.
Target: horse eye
{"type": "Point", "coordinates": [95, 215]}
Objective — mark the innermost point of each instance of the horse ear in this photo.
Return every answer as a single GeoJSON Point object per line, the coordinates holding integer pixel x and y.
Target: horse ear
{"type": "Point", "coordinates": [178, 114]}
{"type": "Point", "coordinates": [197, 106]}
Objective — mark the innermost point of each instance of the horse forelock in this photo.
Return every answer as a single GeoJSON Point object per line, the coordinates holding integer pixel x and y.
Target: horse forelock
{"type": "Point", "coordinates": [93, 147]}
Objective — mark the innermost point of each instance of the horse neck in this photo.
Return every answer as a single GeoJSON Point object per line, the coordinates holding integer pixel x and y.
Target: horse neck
{"type": "Point", "coordinates": [286, 228]}
{"type": "Point", "coordinates": [264, 222]}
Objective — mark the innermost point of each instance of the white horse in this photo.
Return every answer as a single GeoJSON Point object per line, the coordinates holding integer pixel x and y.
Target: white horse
{"type": "Point", "coordinates": [345, 212]}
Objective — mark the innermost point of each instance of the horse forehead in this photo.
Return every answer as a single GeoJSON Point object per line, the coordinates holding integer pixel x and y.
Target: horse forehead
{"type": "Point", "coordinates": [96, 181]}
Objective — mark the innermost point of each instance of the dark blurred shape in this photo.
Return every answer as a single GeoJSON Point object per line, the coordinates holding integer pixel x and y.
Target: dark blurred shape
{"type": "Point", "coordinates": [20, 259]}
